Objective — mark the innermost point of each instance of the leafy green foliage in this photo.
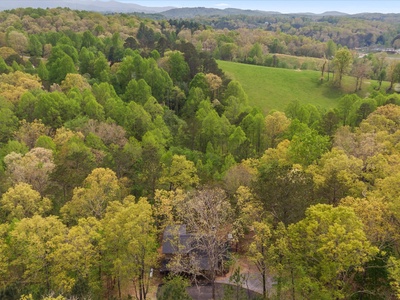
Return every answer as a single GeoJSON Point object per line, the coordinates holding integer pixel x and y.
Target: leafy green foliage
{"type": "Point", "coordinates": [332, 238]}
{"type": "Point", "coordinates": [97, 118]}
{"type": "Point", "coordinates": [174, 288]}
{"type": "Point", "coordinates": [23, 202]}
{"type": "Point", "coordinates": [342, 61]}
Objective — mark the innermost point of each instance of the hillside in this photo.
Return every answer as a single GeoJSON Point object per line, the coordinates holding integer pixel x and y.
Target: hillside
{"type": "Point", "coordinates": [273, 88]}
{"type": "Point", "coordinates": [192, 12]}
{"type": "Point", "coordinates": [88, 5]}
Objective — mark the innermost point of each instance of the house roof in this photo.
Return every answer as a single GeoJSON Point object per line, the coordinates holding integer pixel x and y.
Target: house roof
{"type": "Point", "coordinates": [175, 239]}
{"type": "Point", "coordinates": [174, 230]}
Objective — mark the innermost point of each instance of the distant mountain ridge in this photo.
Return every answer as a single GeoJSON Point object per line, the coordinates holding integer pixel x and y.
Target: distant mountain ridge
{"type": "Point", "coordinates": [333, 13]}
{"type": "Point", "coordinates": [190, 12]}
{"type": "Point", "coordinates": [113, 6]}
{"type": "Point", "coordinates": [89, 5]}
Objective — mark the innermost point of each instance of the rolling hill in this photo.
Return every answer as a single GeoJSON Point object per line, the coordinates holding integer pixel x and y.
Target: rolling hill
{"type": "Point", "coordinates": [89, 5]}
{"type": "Point", "coordinates": [116, 6]}
{"type": "Point", "coordinates": [273, 88]}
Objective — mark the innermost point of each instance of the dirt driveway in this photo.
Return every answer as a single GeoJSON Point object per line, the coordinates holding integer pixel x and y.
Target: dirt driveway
{"type": "Point", "coordinates": [253, 278]}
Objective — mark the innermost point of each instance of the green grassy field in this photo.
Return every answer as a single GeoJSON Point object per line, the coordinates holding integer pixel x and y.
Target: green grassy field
{"type": "Point", "coordinates": [273, 88]}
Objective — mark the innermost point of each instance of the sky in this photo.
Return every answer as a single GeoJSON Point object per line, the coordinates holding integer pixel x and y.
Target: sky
{"type": "Point", "coordinates": [284, 6]}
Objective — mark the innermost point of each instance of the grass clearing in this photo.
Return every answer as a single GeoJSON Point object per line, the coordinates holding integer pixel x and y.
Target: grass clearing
{"type": "Point", "coordinates": [273, 88]}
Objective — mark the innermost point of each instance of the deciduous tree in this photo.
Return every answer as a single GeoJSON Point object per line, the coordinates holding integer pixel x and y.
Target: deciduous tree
{"type": "Point", "coordinates": [74, 161]}
{"type": "Point", "coordinates": [342, 61]}
{"type": "Point", "coordinates": [379, 65]}
{"type": "Point", "coordinates": [306, 147]}
{"type": "Point", "coordinates": [21, 201]}
{"type": "Point", "coordinates": [179, 173]}
{"type": "Point", "coordinates": [8, 124]}
{"type": "Point", "coordinates": [337, 175]}
{"type": "Point", "coordinates": [15, 84]}
{"type": "Point", "coordinates": [74, 81]}
{"type": "Point", "coordinates": [166, 207]}
{"type": "Point", "coordinates": [393, 74]}
{"type": "Point", "coordinates": [269, 251]}
{"type": "Point", "coordinates": [377, 218]}
{"type": "Point", "coordinates": [360, 70]}
{"type": "Point", "coordinates": [152, 151]}
{"type": "Point", "coordinates": [34, 242]}
{"type": "Point", "coordinates": [59, 65]}
{"type": "Point", "coordinates": [254, 127]}
{"type": "Point", "coordinates": [33, 168]}
{"type": "Point", "coordinates": [249, 209]}
{"type": "Point", "coordinates": [328, 246]}
{"type": "Point", "coordinates": [130, 244]}
{"type": "Point", "coordinates": [178, 68]}
{"type": "Point", "coordinates": [35, 46]}
{"type": "Point", "coordinates": [18, 41]}
{"type": "Point", "coordinates": [258, 250]}
{"type": "Point", "coordinates": [99, 188]}
{"type": "Point", "coordinates": [275, 125]}
{"type": "Point", "coordinates": [214, 82]}
{"type": "Point", "coordinates": [55, 108]}
{"type": "Point", "coordinates": [79, 258]}
{"type": "Point", "coordinates": [237, 143]}
{"type": "Point", "coordinates": [174, 288]}
{"type": "Point", "coordinates": [29, 132]}
{"type": "Point", "coordinates": [285, 190]}
{"type": "Point", "coordinates": [207, 215]}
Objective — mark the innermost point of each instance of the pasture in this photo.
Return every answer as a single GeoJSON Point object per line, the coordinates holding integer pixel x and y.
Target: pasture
{"type": "Point", "coordinates": [273, 88]}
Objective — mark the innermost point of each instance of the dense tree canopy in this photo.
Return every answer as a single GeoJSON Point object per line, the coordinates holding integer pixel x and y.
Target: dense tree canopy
{"type": "Point", "coordinates": [113, 127]}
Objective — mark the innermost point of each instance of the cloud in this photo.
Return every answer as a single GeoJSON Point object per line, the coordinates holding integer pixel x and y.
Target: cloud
{"type": "Point", "coordinates": [222, 5]}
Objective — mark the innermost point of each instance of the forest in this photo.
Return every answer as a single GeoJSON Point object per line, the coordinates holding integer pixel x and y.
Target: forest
{"type": "Point", "coordinates": [116, 127]}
